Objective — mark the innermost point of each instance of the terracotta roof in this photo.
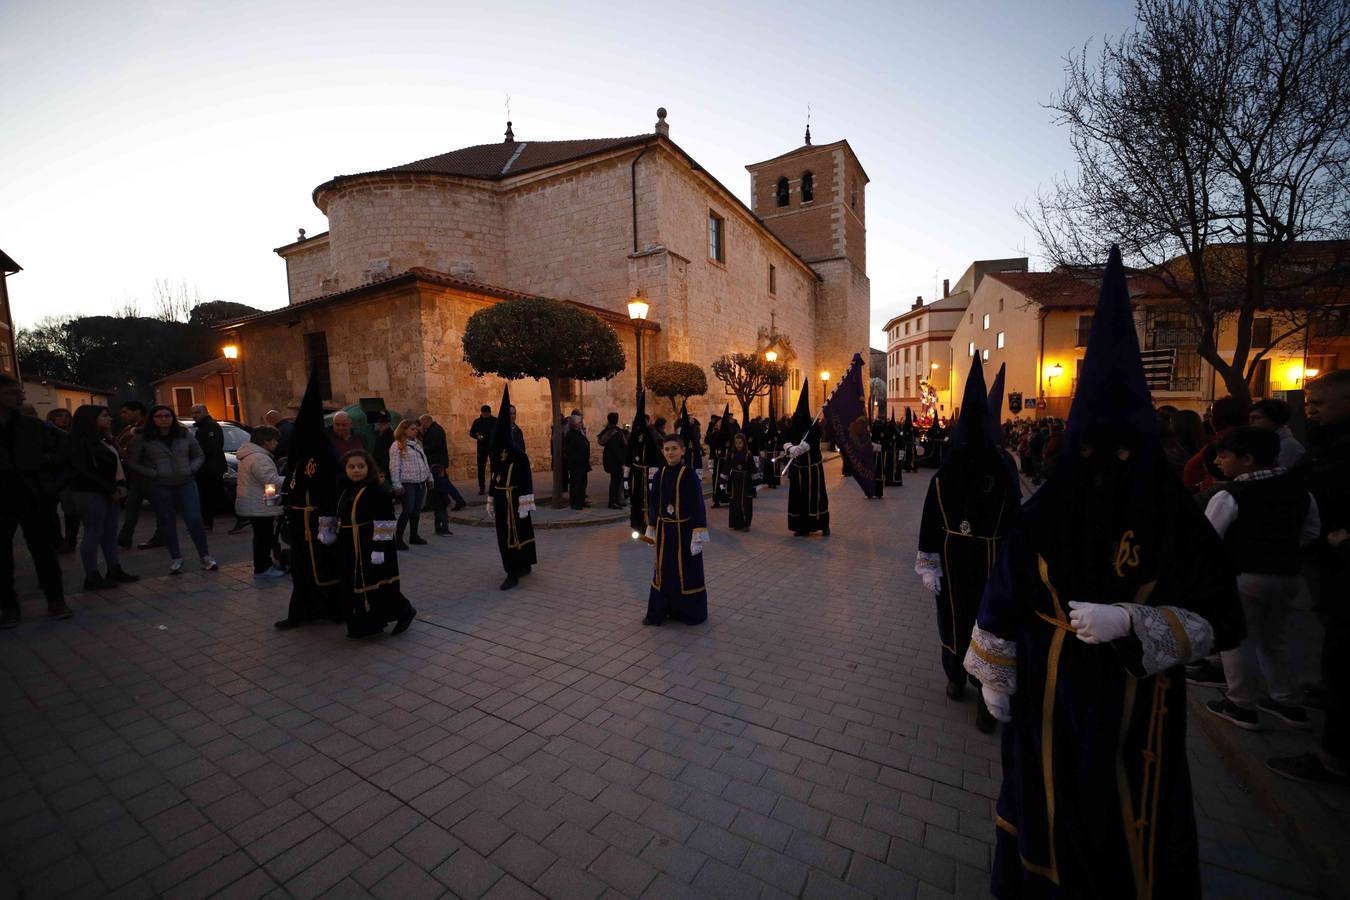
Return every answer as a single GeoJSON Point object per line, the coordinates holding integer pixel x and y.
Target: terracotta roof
{"type": "Point", "coordinates": [66, 385]}
{"type": "Point", "coordinates": [411, 276]}
{"type": "Point", "coordinates": [958, 300]}
{"type": "Point", "coordinates": [493, 162]}
{"type": "Point", "coordinates": [217, 366]}
{"type": "Point", "coordinates": [1073, 290]}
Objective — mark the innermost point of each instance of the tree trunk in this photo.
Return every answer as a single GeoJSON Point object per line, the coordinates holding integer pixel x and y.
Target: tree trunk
{"type": "Point", "coordinates": [745, 411]}
{"type": "Point", "coordinates": [555, 429]}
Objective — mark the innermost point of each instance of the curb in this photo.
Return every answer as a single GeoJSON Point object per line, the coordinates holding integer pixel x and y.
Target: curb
{"type": "Point", "coordinates": [1324, 861]}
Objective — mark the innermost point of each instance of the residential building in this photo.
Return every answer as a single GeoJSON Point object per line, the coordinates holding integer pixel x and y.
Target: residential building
{"type": "Point", "coordinates": [212, 383]}
{"type": "Point", "coordinates": [9, 354]}
{"type": "Point", "coordinates": [47, 394]}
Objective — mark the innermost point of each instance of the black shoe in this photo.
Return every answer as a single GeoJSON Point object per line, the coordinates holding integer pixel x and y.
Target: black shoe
{"type": "Point", "coordinates": [1293, 716]}
{"type": "Point", "coordinates": [285, 625]}
{"type": "Point", "coordinates": [126, 545]}
{"type": "Point", "coordinates": [652, 621]}
{"type": "Point", "coordinates": [458, 506]}
{"type": "Point", "coordinates": [239, 528]}
{"type": "Point", "coordinates": [402, 624]}
{"type": "Point", "coordinates": [956, 691]}
{"type": "Point", "coordinates": [419, 541]}
{"type": "Point", "coordinates": [801, 534]}
{"type": "Point", "coordinates": [96, 582]}
{"type": "Point", "coordinates": [510, 582]}
{"type": "Point", "coordinates": [482, 491]}
{"type": "Point", "coordinates": [399, 545]}
{"type": "Point", "coordinates": [1227, 709]}
{"type": "Point", "coordinates": [151, 544]}
{"type": "Point", "coordinates": [120, 575]}
{"type": "Point", "coordinates": [59, 610]}
{"type": "Point", "coordinates": [1206, 674]}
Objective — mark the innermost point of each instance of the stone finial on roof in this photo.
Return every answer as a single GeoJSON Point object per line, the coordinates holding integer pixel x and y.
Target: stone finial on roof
{"type": "Point", "coordinates": [662, 128]}
{"type": "Point", "coordinates": [302, 235]}
{"type": "Point", "coordinates": [510, 135]}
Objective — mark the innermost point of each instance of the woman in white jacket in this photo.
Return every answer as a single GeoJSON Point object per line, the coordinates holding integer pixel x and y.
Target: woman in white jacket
{"type": "Point", "coordinates": [253, 500]}
{"type": "Point", "coordinates": [409, 477]}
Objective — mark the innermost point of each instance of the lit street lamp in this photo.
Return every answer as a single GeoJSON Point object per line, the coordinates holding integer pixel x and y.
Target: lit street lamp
{"type": "Point", "coordinates": [231, 352]}
{"type": "Point", "coordinates": [637, 312]}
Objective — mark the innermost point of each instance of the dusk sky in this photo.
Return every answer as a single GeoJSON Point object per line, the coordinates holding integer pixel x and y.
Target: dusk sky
{"type": "Point", "coordinates": [181, 140]}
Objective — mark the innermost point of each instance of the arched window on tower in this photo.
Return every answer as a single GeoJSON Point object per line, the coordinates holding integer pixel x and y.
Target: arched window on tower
{"type": "Point", "coordinates": [808, 187]}
{"type": "Point", "coordinates": [782, 192]}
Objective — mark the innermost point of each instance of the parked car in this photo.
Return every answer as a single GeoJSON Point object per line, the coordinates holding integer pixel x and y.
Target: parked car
{"type": "Point", "coordinates": [236, 435]}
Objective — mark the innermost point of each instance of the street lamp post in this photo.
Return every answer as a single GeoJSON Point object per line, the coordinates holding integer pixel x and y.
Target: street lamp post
{"type": "Point", "coordinates": [772, 357]}
{"type": "Point", "coordinates": [637, 312]}
{"type": "Point", "coordinates": [231, 352]}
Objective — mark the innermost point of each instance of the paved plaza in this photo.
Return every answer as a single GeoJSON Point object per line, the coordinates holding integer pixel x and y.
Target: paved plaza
{"type": "Point", "coordinates": [168, 741]}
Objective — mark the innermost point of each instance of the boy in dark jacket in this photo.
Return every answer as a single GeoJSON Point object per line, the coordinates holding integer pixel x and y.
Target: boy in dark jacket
{"type": "Point", "coordinates": [1264, 517]}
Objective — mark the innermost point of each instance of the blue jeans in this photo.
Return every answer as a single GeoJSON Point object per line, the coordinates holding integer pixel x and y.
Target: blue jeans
{"type": "Point", "coordinates": [98, 513]}
{"type": "Point", "coordinates": [414, 498]}
{"type": "Point", "coordinates": [171, 501]}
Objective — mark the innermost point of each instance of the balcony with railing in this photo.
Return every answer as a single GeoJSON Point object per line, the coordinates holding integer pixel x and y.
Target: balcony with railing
{"type": "Point", "coordinates": [1178, 385]}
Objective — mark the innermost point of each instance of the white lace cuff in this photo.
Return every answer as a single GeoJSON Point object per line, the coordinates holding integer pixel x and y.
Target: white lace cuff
{"type": "Point", "coordinates": [328, 522]}
{"type": "Point", "coordinates": [927, 564]}
{"type": "Point", "coordinates": [1169, 635]}
{"type": "Point", "coordinates": [701, 535]}
{"type": "Point", "coordinates": [992, 660]}
{"type": "Point", "coordinates": [384, 529]}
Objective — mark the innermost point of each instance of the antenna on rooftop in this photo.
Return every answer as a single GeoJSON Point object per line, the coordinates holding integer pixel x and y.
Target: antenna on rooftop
{"type": "Point", "coordinates": [808, 124]}
{"type": "Point", "coordinates": [510, 135]}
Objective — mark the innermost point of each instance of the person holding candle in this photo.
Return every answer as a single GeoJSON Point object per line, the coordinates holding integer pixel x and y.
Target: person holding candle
{"type": "Point", "coordinates": [258, 497]}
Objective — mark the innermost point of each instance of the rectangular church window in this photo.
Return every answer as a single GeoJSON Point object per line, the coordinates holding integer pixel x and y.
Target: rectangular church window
{"type": "Point", "coordinates": [716, 240]}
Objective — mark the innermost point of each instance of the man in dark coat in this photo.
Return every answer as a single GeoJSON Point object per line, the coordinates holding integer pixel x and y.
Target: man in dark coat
{"type": "Point", "coordinates": [973, 502]}
{"type": "Point", "coordinates": [481, 433]}
{"type": "Point", "coordinates": [1111, 582]}
{"type": "Point", "coordinates": [512, 497]}
{"type": "Point", "coordinates": [577, 461]}
{"type": "Point", "coordinates": [437, 448]}
{"type": "Point", "coordinates": [384, 440]}
{"type": "Point", "coordinates": [613, 455]}
{"type": "Point", "coordinates": [211, 438]}
{"type": "Point", "coordinates": [310, 494]}
{"type": "Point", "coordinates": [808, 501]}
{"type": "Point", "coordinates": [25, 503]}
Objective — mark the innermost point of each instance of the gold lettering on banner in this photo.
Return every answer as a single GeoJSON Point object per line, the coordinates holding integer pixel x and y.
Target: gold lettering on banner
{"type": "Point", "coordinates": [1127, 554]}
{"type": "Point", "coordinates": [310, 468]}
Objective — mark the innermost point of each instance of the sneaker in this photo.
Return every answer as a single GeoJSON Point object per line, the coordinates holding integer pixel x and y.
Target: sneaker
{"type": "Point", "coordinates": [274, 572]}
{"type": "Point", "coordinates": [1307, 768]}
{"type": "Point", "coordinates": [209, 563]}
{"type": "Point", "coordinates": [1293, 716]}
{"type": "Point", "coordinates": [1227, 709]}
{"type": "Point", "coordinates": [1206, 674]}
{"type": "Point", "coordinates": [176, 568]}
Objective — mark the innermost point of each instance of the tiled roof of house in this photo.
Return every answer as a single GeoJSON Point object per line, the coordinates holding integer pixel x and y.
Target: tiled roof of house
{"type": "Point", "coordinates": [57, 383]}
{"type": "Point", "coordinates": [1073, 290]}
{"type": "Point", "coordinates": [217, 366]}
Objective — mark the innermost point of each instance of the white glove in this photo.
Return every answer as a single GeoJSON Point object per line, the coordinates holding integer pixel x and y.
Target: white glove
{"type": "Point", "coordinates": [377, 558]}
{"type": "Point", "coordinates": [526, 505]}
{"type": "Point", "coordinates": [932, 581]}
{"type": "Point", "coordinates": [1097, 623]}
{"type": "Point", "coordinates": [695, 548]}
{"type": "Point", "coordinates": [999, 703]}
{"type": "Point", "coordinates": [696, 542]}
{"type": "Point", "coordinates": [650, 536]}
{"type": "Point", "coordinates": [876, 448]}
{"type": "Point", "coordinates": [327, 530]}
{"type": "Point", "coordinates": [492, 510]}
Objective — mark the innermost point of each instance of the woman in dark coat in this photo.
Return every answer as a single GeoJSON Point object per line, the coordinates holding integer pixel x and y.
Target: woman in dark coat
{"type": "Point", "coordinates": [367, 558]}
{"type": "Point", "coordinates": [742, 474]}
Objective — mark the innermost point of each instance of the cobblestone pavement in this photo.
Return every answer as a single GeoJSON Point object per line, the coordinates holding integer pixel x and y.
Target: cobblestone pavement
{"type": "Point", "coordinates": [168, 741]}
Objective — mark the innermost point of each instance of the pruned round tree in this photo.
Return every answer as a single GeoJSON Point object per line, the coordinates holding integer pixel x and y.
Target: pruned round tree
{"type": "Point", "coordinates": [748, 375]}
{"type": "Point", "coordinates": [676, 380]}
{"type": "Point", "coordinates": [538, 338]}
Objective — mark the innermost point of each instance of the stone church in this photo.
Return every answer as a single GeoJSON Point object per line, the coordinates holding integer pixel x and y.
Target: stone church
{"type": "Point", "coordinates": [379, 301]}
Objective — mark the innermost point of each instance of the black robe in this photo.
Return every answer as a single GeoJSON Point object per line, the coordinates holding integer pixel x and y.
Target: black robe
{"type": "Point", "coordinates": [1096, 795]}
{"type": "Point", "coordinates": [315, 589]}
{"type": "Point", "coordinates": [968, 512]}
{"type": "Point", "coordinates": [893, 457]}
{"type": "Point", "coordinates": [644, 458]}
{"type": "Point", "coordinates": [769, 468]}
{"type": "Point", "coordinates": [511, 480]}
{"type": "Point", "coordinates": [675, 509]}
{"type": "Point", "coordinates": [808, 502]}
{"type": "Point", "coordinates": [742, 474]}
{"type": "Point", "coordinates": [719, 450]}
{"type": "Point", "coordinates": [372, 591]}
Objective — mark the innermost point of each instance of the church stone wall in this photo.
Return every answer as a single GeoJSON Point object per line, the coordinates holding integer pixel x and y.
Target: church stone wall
{"type": "Point", "coordinates": [384, 225]}
{"type": "Point", "coordinates": [306, 268]}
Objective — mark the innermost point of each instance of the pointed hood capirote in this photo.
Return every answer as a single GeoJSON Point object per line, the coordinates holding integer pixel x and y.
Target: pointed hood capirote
{"type": "Point", "coordinates": [972, 427]}
{"type": "Point", "coordinates": [311, 463]}
{"type": "Point", "coordinates": [504, 450]}
{"type": "Point", "coordinates": [801, 417]}
{"type": "Point", "coordinates": [996, 404]}
{"type": "Point", "coordinates": [642, 447]}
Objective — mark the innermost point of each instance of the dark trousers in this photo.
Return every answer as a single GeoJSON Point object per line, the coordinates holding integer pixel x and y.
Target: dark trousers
{"type": "Point", "coordinates": [211, 493]}
{"type": "Point", "coordinates": [483, 453]}
{"type": "Point", "coordinates": [137, 493]}
{"type": "Point", "coordinates": [35, 520]}
{"type": "Point", "coordinates": [576, 487]}
{"type": "Point", "coordinates": [1335, 684]}
{"type": "Point", "coordinates": [615, 488]}
{"type": "Point", "coordinates": [264, 536]}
